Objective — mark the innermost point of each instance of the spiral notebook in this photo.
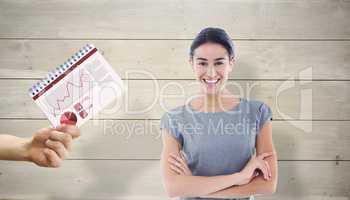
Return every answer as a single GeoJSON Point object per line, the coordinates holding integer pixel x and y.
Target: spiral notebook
{"type": "Point", "coordinates": [78, 89]}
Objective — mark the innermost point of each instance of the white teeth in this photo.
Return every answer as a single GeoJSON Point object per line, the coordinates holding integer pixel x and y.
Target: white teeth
{"type": "Point", "coordinates": [211, 81]}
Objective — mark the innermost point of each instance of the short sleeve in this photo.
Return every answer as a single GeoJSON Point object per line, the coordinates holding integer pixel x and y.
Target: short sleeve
{"type": "Point", "coordinates": [264, 115]}
{"type": "Point", "coordinates": [167, 122]}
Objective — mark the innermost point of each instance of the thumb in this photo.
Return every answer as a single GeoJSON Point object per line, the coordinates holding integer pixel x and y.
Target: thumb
{"type": "Point", "coordinates": [70, 129]}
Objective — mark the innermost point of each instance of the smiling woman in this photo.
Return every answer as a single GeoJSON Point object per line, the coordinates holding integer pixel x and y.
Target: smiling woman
{"type": "Point", "coordinates": [210, 144]}
{"type": "Point", "coordinates": [212, 57]}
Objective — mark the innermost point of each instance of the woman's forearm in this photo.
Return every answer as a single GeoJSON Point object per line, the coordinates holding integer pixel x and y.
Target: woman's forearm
{"type": "Point", "coordinates": [194, 186]}
{"type": "Point", "coordinates": [13, 148]}
{"type": "Point", "coordinates": [258, 186]}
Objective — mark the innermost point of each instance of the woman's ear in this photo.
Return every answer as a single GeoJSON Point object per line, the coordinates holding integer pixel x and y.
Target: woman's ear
{"type": "Point", "coordinates": [232, 62]}
{"type": "Point", "coordinates": [190, 60]}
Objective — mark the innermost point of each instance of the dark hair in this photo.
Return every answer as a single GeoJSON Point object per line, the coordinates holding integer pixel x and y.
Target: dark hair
{"type": "Point", "coordinates": [213, 35]}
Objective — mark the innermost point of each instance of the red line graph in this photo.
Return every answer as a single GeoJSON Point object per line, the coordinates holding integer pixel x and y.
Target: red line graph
{"type": "Point", "coordinates": [68, 94]}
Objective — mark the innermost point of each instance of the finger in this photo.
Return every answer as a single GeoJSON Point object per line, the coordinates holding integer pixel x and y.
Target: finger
{"type": "Point", "coordinates": [260, 165]}
{"type": "Point", "coordinates": [64, 138]}
{"type": "Point", "coordinates": [58, 147]}
{"type": "Point", "coordinates": [174, 162]}
{"type": "Point", "coordinates": [268, 168]}
{"type": "Point", "coordinates": [182, 171]}
{"type": "Point", "coordinates": [177, 157]}
{"type": "Point", "coordinates": [176, 169]}
{"type": "Point", "coordinates": [72, 130]}
{"type": "Point", "coordinates": [52, 157]}
{"type": "Point", "coordinates": [183, 156]}
{"type": "Point", "coordinates": [263, 169]}
{"type": "Point", "coordinates": [43, 134]}
{"type": "Point", "coordinates": [186, 166]}
{"type": "Point", "coordinates": [265, 155]}
{"type": "Point", "coordinates": [177, 161]}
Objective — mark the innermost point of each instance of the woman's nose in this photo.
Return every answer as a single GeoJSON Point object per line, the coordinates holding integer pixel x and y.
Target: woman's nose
{"type": "Point", "coordinates": [211, 71]}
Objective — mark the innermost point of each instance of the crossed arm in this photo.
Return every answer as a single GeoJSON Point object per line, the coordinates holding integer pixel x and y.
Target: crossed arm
{"type": "Point", "coordinates": [258, 185]}
{"type": "Point", "coordinates": [224, 186]}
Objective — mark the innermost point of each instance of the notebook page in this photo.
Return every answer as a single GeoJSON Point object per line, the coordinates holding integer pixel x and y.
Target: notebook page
{"type": "Point", "coordinates": [78, 92]}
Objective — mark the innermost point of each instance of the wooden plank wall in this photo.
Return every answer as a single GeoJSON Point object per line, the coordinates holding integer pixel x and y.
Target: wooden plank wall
{"type": "Point", "coordinates": [297, 51]}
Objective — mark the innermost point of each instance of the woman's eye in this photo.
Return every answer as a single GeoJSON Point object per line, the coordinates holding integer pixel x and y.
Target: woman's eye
{"type": "Point", "coordinates": [202, 64]}
{"type": "Point", "coordinates": [219, 63]}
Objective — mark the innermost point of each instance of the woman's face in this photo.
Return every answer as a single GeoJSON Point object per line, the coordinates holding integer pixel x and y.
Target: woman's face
{"type": "Point", "coordinates": [212, 65]}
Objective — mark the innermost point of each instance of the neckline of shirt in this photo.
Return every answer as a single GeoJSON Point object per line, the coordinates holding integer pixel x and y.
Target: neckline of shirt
{"type": "Point", "coordinates": [188, 106]}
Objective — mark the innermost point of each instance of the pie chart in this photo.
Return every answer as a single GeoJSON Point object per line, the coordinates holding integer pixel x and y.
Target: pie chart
{"type": "Point", "coordinates": [68, 118]}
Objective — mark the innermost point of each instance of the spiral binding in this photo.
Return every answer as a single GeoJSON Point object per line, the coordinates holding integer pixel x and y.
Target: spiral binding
{"type": "Point", "coordinates": [51, 76]}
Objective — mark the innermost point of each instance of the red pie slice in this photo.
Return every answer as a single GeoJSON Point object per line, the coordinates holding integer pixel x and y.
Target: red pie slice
{"type": "Point", "coordinates": [68, 118]}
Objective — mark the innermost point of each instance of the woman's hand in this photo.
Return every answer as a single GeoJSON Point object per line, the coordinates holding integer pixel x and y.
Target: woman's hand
{"type": "Point", "coordinates": [179, 164]}
{"type": "Point", "coordinates": [50, 146]}
{"type": "Point", "coordinates": [255, 165]}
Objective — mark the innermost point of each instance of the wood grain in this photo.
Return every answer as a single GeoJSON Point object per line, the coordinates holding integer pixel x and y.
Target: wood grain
{"type": "Point", "coordinates": [157, 19]}
{"type": "Point", "coordinates": [168, 59]}
{"type": "Point", "coordinates": [149, 99]}
{"type": "Point", "coordinates": [141, 179]}
{"type": "Point", "coordinates": [141, 139]}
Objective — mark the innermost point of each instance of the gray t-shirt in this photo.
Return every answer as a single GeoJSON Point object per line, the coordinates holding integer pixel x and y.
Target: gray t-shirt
{"type": "Point", "coordinates": [217, 143]}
